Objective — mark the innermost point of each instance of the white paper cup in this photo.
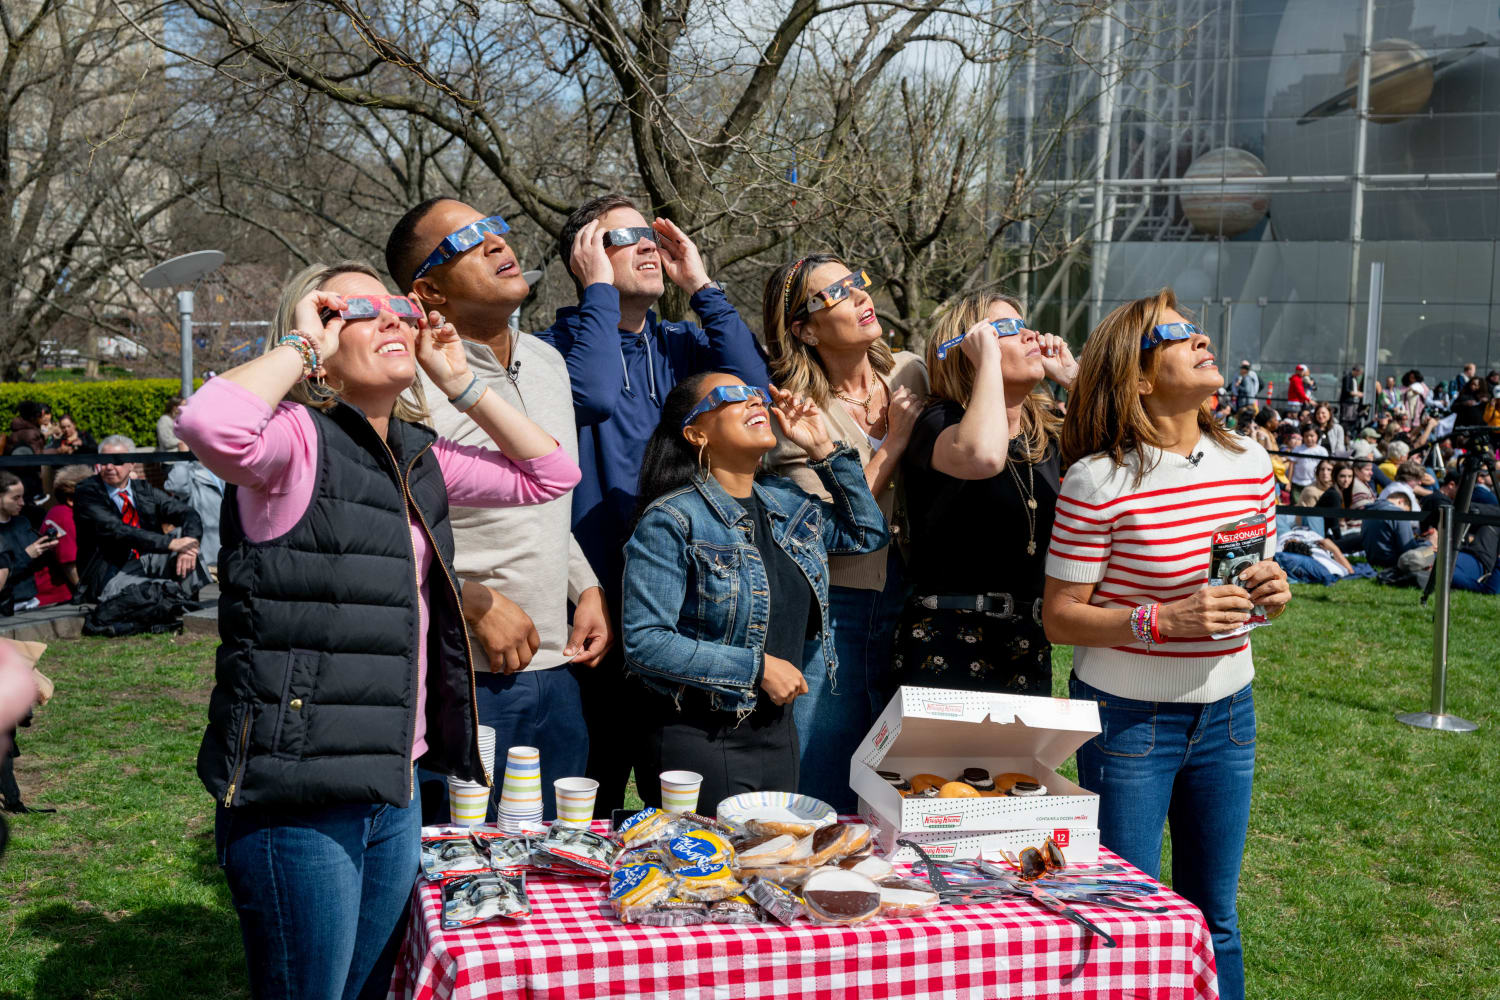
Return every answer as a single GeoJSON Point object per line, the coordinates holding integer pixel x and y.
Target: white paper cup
{"type": "Point", "coordinates": [575, 800]}
{"type": "Point", "coordinates": [679, 790]}
{"type": "Point", "coordinates": [487, 749]}
{"type": "Point", "coordinates": [467, 801]}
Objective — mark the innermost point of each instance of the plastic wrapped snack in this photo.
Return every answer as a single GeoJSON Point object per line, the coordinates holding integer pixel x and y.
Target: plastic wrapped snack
{"type": "Point", "coordinates": [636, 889]}
{"type": "Point", "coordinates": [511, 852]}
{"type": "Point", "coordinates": [772, 827]}
{"type": "Point", "coordinates": [906, 897]}
{"type": "Point", "coordinates": [675, 913]}
{"type": "Point", "coordinates": [781, 905]}
{"type": "Point", "coordinates": [697, 821]}
{"type": "Point", "coordinates": [645, 827]}
{"type": "Point", "coordinates": [790, 876]}
{"type": "Point", "coordinates": [771, 849]}
{"type": "Point", "coordinates": [869, 866]}
{"type": "Point", "coordinates": [836, 896]}
{"type": "Point", "coordinates": [450, 854]}
{"type": "Point", "coordinates": [739, 910]}
{"type": "Point", "coordinates": [697, 847]}
{"type": "Point", "coordinates": [706, 883]}
{"type": "Point", "coordinates": [585, 850]}
{"type": "Point", "coordinates": [474, 899]}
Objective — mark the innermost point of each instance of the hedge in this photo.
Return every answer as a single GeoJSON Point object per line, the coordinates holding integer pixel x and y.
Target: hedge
{"type": "Point", "coordinates": [127, 406]}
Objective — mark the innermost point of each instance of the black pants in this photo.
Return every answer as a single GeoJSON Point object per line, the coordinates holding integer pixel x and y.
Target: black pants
{"type": "Point", "coordinates": [609, 698]}
{"type": "Point", "coordinates": [10, 792]}
{"type": "Point", "coordinates": [757, 754]}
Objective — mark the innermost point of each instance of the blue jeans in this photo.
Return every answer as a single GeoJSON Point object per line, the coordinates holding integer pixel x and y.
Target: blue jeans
{"type": "Point", "coordinates": [541, 709]}
{"type": "Point", "coordinates": [1190, 765]}
{"type": "Point", "coordinates": [321, 894]}
{"type": "Point", "coordinates": [831, 723]}
{"type": "Point", "coordinates": [1466, 574]}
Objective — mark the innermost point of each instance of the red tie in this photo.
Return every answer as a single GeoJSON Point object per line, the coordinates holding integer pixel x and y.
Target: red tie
{"type": "Point", "coordinates": [130, 516]}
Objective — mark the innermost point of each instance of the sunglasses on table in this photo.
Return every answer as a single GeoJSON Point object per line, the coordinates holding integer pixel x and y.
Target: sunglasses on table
{"type": "Point", "coordinates": [369, 306]}
{"type": "Point", "coordinates": [1034, 862]}
{"type": "Point", "coordinates": [629, 236]}
{"type": "Point", "coordinates": [835, 293]}
{"type": "Point", "coordinates": [721, 396]}
{"type": "Point", "coordinates": [1168, 331]}
{"type": "Point", "coordinates": [460, 240]}
{"type": "Point", "coordinates": [1007, 327]}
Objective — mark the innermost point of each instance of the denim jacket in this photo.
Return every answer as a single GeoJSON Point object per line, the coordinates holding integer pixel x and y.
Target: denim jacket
{"type": "Point", "coordinates": [697, 600]}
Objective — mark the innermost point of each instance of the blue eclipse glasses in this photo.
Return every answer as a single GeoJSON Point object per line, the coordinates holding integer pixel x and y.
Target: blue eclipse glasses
{"type": "Point", "coordinates": [459, 240]}
{"type": "Point", "coordinates": [1168, 331]}
{"type": "Point", "coordinates": [1003, 328]}
{"type": "Point", "coordinates": [720, 396]}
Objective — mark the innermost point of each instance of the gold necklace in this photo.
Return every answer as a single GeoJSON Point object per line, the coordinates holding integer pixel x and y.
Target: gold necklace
{"type": "Point", "coordinates": [1029, 495]}
{"type": "Point", "coordinates": [863, 404]}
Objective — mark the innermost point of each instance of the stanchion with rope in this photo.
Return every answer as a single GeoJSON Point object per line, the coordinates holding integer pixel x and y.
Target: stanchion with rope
{"type": "Point", "coordinates": [1437, 716]}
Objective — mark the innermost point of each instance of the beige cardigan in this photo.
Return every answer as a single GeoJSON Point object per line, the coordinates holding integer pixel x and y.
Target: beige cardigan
{"type": "Point", "coordinates": [866, 572]}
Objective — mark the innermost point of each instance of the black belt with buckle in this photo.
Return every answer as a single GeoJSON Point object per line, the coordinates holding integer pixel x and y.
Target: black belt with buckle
{"type": "Point", "coordinates": [996, 605]}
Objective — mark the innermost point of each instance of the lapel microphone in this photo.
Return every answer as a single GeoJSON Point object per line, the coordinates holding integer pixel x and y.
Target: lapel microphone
{"type": "Point", "coordinates": [1193, 460]}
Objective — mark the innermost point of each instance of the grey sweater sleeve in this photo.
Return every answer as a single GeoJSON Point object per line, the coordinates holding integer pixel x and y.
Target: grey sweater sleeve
{"type": "Point", "coordinates": [580, 574]}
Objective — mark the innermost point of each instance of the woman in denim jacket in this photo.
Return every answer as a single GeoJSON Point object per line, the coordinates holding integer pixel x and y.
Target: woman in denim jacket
{"type": "Point", "coordinates": [726, 584]}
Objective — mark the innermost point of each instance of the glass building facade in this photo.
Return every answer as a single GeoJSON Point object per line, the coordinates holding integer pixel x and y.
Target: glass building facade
{"type": "Point", "coordinates": [1221, 148]}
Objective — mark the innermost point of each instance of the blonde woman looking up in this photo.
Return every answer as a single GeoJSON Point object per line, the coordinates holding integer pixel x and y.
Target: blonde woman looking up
{"type": "Point", "coordinates": [981, 477]}
{"type": "Point", "coordinates": [826, 344]}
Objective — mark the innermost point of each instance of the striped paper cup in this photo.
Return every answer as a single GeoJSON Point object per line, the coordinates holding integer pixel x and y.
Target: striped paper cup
{"type": "Point", "coordinates": [467, 801]}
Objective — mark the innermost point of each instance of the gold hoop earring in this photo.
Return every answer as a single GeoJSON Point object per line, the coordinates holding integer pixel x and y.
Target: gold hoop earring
{"type": "Point", "coordinates": [705, 467]}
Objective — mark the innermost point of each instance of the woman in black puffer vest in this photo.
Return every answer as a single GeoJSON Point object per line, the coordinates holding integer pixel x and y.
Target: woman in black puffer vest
{"type": "Point", "coordinates": [343, 656]}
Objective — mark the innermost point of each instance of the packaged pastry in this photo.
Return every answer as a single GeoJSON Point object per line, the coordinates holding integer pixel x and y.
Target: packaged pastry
{"type": "Point", "coordinates": [958, 790]}
{"type": "Point", "coordinates": [771, 827]}
{"type": "Point", "coordinates": [979, 778]}
{"type": "Point", "coordinates": [859, 836]}
{"type": "Point", "coordinates": [739, 910]}
{"type": "Point", "coordinates": [696, 848]}
{"type": "Point", "coordinates": [675, 913]}
{"type": "Point", "coordinates": [827, 845]}
{"type": "Point", "coordinates": [836, 896]}
{"type": "Point", "coordinates": [869, 866]}
{"type": "Point", "coordinates": [790, 876]}
{"type": "Point", "coordinates": [906, 897]}
{"type": "Point", "coordinates": [782, 905]}
{"type": "Point", "coordinates": [452, 853]}
{"type": "Point", "coordinates": [635, 889]}
{"type": "Point", "coordinates": [474, 899]}
{"type": "Point", "coordinates": [582, 849]}
{"type": "Point", "coordinates": [706, 883]}
{"type": "Point", "coordinates": [686, 822]}
{"type": "Point", "coordinates": [765, 850]}
{"type": "Point", "coordinates": [644, 827]}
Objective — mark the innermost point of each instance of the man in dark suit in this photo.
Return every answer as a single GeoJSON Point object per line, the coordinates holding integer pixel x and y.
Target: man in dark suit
{"type": "Point", "coordinates": [120, 518]}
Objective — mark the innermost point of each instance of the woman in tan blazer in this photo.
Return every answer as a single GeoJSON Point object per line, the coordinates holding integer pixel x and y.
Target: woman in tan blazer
{"type": "Point", "coordinates": [826, 343]}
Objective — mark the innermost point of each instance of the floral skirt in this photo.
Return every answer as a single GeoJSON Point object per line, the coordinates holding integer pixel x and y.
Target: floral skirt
{"type": "Point", "coordinates": [973, 651]}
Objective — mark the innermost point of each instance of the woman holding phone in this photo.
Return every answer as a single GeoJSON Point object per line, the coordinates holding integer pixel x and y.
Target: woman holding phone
{"type": "Point", "coordinates": [344, 657]}
{"type": "Point", "coordinates": [1150, 478]}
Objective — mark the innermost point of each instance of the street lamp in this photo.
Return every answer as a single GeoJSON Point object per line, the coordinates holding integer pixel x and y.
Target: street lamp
{"type": "Point", "coordinates": [184, 270]}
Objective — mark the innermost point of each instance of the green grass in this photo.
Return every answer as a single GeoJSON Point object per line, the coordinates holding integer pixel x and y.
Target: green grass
{"type": "Point", "coordinates": [1371, 870]}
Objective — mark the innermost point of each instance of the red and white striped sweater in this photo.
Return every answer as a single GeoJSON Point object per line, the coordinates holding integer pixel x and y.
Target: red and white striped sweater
{"type": "Point", "coordinates": [1148, 541]}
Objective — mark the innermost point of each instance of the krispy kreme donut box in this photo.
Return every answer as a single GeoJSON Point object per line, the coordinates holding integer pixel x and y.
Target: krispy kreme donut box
{"type": "Point", "coordinates": [938, 732]}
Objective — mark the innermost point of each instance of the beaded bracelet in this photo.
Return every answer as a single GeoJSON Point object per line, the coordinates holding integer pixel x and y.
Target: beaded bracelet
{"type": "Point", "coordinates": [305, 349]}
{"type": "Point", "coordinates": [1155, 615]}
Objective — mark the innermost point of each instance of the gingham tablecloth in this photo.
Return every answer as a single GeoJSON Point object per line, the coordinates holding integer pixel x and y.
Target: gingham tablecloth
{"type": "Point", "coordinates": [569, 950]}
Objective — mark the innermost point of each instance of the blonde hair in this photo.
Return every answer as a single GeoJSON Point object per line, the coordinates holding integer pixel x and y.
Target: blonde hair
{"type": "Point", "coordinates": [310, 279]}
{"type": "Point", "coordinates": [1105, 412]}
{"type": "Point", "coordinates": [953, 376]}
{"type": "Point", "coordinates": [796, 366]}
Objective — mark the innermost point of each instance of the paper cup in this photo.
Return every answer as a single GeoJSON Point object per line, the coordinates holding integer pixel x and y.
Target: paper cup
{"type": "Point", "coordinates": [679, 790]}
{"type": "Point", "coordinates": [521, 791]}
{"type": "Point", "coordinates": [575, 800]}
{"type": "Point", "coordinates": [487, 749]}
{"type": "Point", "coordinates": [467, 801]}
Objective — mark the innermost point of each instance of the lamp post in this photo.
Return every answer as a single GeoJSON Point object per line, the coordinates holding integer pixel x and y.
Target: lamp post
{"type": "Point", "coordinates": [184, 270]}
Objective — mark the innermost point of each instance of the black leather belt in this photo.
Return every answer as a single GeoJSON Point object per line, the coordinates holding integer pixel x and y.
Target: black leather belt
{"type": "Point", "coordinates": [994, 604]}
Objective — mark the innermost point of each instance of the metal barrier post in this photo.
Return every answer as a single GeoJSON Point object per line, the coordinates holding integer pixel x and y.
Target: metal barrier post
{"type": "Point", "coordinates": [1437, 717]}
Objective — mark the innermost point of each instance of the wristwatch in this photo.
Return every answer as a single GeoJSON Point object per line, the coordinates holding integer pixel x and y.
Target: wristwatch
{"type": "Point", "coordinates": [707, 285]}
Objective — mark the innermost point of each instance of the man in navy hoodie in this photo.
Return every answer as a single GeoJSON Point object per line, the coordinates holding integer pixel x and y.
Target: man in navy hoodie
{"type": "Point", "coordinates": [620, 378]}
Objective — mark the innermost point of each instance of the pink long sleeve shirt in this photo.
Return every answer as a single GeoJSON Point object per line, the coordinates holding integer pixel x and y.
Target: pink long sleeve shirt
{"type": "Point", "coordinates": [272, 454]}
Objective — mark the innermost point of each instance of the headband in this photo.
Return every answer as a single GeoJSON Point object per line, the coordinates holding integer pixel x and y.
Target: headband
{"type": "Point", "coordinates": [786, 291]}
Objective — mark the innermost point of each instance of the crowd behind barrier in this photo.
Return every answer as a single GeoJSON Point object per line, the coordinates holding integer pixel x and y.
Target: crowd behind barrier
{"type": "Point", "coordinates": [671, 547]}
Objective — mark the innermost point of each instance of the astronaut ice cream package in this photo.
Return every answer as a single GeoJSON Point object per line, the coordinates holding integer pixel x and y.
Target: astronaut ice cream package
{"type": "Point", "coordinates": [1234, 548]}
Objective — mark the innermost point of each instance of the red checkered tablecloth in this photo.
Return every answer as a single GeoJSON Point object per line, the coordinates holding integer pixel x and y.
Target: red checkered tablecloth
{"type": "Point", "coordinates": [569, 950]}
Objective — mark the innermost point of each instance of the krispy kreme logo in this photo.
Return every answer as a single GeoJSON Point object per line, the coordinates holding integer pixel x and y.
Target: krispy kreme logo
{"type": "Point", "coordinates": [943, 708]}
{"type": "Point", "coordinates": [940, 851]}
{"type": "Point", "coordinates": [951, 819]}
{"type": "Point", "coordinates": [882, 736]}
{"type": "Point", "coordinates": [1243, 535]}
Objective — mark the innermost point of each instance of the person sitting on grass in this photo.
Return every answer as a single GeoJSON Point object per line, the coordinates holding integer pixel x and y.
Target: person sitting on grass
{"type": "Point", "coordinates": [21, 550]}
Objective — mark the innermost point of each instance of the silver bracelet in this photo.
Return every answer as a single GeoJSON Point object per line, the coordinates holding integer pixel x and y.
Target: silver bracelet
{"type": "Point", "coordinates": [469, 396]}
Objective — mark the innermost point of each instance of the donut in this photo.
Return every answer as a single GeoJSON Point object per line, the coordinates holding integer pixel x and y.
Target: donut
{"type": "Point", "coordinates": [958, 790]}
{"type": "Point", "coordinates": [921, 782]}
{"type": "Point", "coordinates": [1009, 778]}
{"type": "Point", "coordinates": [978, 777]}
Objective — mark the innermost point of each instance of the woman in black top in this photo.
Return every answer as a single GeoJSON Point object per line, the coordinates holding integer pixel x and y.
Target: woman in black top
{"type": "Point", "coordinates": [981, 475]}
{"type": "Point", "coordinates": [20, 548]}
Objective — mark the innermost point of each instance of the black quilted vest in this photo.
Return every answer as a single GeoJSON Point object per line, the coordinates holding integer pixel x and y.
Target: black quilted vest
{"type": "Point", "coordinates": [315, 687]}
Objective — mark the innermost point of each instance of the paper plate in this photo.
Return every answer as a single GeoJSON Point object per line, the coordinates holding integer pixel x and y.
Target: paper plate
{"type": "Point", "coordinates": [787, 807]}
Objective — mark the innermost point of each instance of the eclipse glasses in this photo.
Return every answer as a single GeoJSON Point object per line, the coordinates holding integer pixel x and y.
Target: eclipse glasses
{"type": "Point", "coordinates": [1007, 327]}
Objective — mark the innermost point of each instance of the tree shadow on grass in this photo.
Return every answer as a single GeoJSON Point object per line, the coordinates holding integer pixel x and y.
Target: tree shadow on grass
{"type": "Point", "coordinates": [174, 951]}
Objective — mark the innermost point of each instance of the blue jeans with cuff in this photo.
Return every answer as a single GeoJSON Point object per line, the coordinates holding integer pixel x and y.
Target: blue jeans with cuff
{"type": "Point", "coordinates": [322, 895]}
{"type": "Point", "coordinates": [1190, 765]}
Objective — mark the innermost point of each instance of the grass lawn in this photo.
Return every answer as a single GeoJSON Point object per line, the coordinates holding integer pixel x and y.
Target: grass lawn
{"type": "Point", "coordinates": [1372, 870]}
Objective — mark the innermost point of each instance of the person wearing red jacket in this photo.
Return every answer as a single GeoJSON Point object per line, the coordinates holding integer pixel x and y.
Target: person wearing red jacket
{"type": "Point", "coordinates": [1297, 395]}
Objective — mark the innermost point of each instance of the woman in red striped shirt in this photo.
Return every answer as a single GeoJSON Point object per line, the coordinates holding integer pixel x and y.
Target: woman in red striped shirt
{"type": "Point", "coordinates": [1150, 477]}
